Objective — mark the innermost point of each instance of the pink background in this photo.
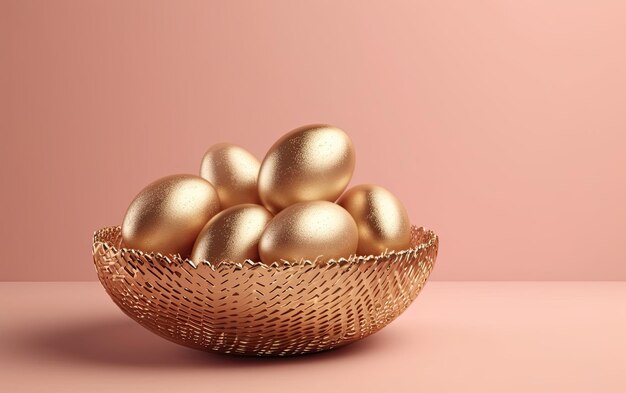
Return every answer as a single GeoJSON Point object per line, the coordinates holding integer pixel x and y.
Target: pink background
{"type": "Point", "coordinates": [500, 124]}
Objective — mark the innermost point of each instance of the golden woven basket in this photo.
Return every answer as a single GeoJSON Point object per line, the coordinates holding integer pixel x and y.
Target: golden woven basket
{"type": "Point", "coordinates": [258, 309]}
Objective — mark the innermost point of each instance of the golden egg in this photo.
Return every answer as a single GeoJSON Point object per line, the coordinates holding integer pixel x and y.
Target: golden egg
{"type": "Point", "coordinates": [309, 230]}
{"type": "Point", "coordinates": [310, 163]}
{"type": "Point", "coordinates": [233, 171]}
{"type": "Point", "coordinates": [381, 218]}
{"type": "Point", "coordinates": [168, 214]}
{"type": "Point", "coordinates": [232, 235]}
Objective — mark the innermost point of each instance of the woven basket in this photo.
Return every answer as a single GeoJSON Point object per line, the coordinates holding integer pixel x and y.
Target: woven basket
{"type": "Point", "coordinates": [252, 308]}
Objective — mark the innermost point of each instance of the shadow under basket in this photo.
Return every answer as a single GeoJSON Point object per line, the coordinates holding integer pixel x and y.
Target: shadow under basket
{"type": "Point", "coordinates": [252, 308]}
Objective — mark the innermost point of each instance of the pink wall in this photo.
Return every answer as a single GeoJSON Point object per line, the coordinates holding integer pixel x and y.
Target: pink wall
{"type": "Point", "coordinates": [501, 124]}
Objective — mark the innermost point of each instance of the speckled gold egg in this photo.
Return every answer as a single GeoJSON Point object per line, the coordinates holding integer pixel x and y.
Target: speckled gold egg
{"type": "Point", "coordinates": [309, 230]}
{"type": "Point", "coordinates": [232, 235]}
{"type": "Point", "coordinates": [168, 214]}
{"type": "Point", "coordinates": [310, 163]}
{"type": "Point", "coordinates": [381, 218]}
{"type": "Point", "coordinates": [233, 171]}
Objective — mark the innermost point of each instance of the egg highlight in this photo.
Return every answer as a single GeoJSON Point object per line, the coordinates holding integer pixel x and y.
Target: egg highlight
{"type": "Point", "coordinates": [381, 218]}
{"type": "Point", "coordinates": [232, 235]}
{"type": "Point", "coordinates": [167, 215]}
{"type": "Point", "coordinates": [318, 230]}
{"type": "Point", "coordinates": [313, 162]}
{"type": "Point", "coordinates": [233, 171]}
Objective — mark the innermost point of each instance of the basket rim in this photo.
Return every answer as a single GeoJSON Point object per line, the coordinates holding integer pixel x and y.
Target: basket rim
{"type": "Point", "coordinates": [432, 241]}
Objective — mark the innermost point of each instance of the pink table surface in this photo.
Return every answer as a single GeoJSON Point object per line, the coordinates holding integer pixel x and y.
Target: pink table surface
{"type": "Point", "coordinates": [457, 336]}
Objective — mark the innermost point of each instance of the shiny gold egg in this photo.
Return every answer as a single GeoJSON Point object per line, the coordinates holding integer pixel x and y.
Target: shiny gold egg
{"type": "Point", "coordinates": [232, 235]}
{"type": "Point", "coordinates": [310, 163]}
{"type": "Point", "coordinates": [233, 171]}
{"type": "Point", "coordinates": [381, 218]}
{"type": "Point", "coordinates": [168, 214]}
{"type": "Point", "coordinates": [309, 230]}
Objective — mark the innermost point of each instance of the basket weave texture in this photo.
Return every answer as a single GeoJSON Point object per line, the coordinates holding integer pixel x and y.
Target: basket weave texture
{"type": "Point", "coordinates": [250, 308]}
